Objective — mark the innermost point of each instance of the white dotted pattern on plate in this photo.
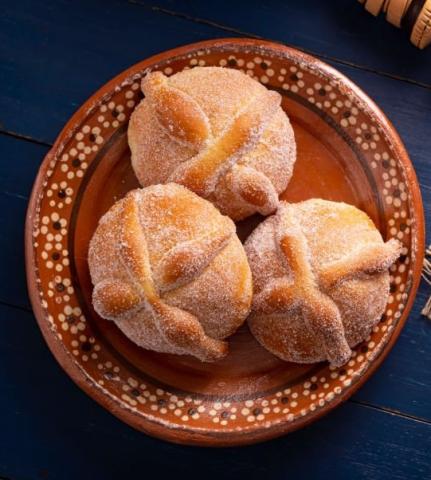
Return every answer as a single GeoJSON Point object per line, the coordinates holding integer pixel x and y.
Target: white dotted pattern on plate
{"type": "Point", "coordinates": [61, 184]}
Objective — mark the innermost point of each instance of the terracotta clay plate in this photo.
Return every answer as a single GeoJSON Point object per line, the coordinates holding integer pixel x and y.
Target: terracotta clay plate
{"type": "Point", "coordinates": [347, 150]}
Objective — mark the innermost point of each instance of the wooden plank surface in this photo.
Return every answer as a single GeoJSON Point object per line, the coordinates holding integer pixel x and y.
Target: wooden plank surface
{"type": "Point", "coordinates": [54, 431]}
{"type": "Point", "coordinates": [338, 29]}
{"type": "Point", "coordinates": [403, 382]}
{"type": "Point", "coordinates": [80, 55]}
{"type": "Point", "coordinates": [19, 162]}
{"type": "Point", "coordinates": [53, 55]}
{"type": "Point", "coordinates": [56, 54]}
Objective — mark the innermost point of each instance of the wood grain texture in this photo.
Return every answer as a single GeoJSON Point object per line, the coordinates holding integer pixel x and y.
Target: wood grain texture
{"type": "Point", "coordinates": [12, 272]}
{"type": "Point", "coordinates": [71, 49]}
{"type": "Point", "coordinates": [339, 29]}
{"type": "Point", "coordinates": [18, 166]}
{"type": "Point", "coordinates": [402, 383]}
{"type": "Point", "coordinates": [55, 431]}
{"type": "Point", "coordinates": [76, 50]}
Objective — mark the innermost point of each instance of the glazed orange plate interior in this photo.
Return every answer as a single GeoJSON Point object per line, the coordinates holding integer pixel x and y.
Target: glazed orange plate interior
{"type": "Point", "coordinates": [224, 242]}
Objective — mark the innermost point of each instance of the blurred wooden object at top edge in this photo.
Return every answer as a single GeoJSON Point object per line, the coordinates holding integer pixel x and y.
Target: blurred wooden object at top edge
{"type": "Point", "coordinates": [412, 16]}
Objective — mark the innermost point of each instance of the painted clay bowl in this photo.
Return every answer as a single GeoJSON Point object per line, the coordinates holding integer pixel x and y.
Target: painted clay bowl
{"type": "Point", "coordinates": [347, 151]}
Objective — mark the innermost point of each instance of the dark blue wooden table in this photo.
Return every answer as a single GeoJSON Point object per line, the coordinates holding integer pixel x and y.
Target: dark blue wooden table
{"type": "Point", "coordinates": [53, 55]}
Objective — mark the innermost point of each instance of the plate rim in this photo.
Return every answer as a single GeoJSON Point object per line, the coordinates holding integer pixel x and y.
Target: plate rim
{"type": "Point", "coordinates": [190, 436]}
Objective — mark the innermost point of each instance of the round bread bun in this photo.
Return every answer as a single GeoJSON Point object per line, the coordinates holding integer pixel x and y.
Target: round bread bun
{"type": "Point", "coordinates": [218, 132]}
{"type": "Point", "coordinates": [321, 281]}
{"type": "Point", "coordinates": [170, 271]}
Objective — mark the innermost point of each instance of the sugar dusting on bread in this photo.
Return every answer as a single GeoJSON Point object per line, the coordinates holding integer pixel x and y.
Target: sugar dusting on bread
{"type": "Point", "coordinates": [221, 95]}
{"type": "Point", "coordinates": [335, 234]}
{"type": "Point", "coordinates": [217, 293]}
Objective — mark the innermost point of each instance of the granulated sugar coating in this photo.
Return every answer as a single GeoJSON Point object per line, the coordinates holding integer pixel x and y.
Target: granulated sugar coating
{"type": "Point", "coordinates": [169, 269]}
{"type": "Point", "coordinates": [321, 281]}
{"type": "Point", "coordinates": [218, 132]}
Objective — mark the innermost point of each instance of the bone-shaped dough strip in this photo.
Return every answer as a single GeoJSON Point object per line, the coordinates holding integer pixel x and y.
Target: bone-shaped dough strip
{"type": "Point", "coordinates": [178, 113]}
{"type": "Point", "coordinates": [320, 311]}
{"type": "Point", "coordinates": [114, 299]}
{"type": "Point", "coordinates": [187, 260]}
{"type": "Point", "coordinates": [178, 327]}
{"type": "Point", "coordinates": [370, 259]}
{"type": "Point", "coordinates": [201, 173]}
{"type": "Point", "coordinates": [254, 188]}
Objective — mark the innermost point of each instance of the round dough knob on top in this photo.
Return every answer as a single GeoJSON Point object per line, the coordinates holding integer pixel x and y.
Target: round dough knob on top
{"type": "Point", "coordinates": [170, 271]}
{"type": "Point", "coordinates": [321, 280]}
{"type": "Point", "coordinates": [218, 132]}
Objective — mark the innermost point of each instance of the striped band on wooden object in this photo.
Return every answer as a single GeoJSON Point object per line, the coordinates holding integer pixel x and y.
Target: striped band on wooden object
{"type": "Point", "coordinates": [426, 274]}
{"type": "Point", "coordinates": [421, 31]}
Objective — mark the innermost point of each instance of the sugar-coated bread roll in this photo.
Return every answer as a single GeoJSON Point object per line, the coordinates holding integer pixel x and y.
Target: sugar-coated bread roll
{"type": "Point", "coordinates": [170, 271]}
{"type": "Point", "coordinates": [218, 132]}
{"type": "Point", "coordinates": [321, 281]}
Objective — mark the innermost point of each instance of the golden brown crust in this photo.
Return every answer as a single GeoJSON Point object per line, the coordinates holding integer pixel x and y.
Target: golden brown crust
{"type": "Point", "coordinates": [115, 299]}
{"type": "Point", "coordinates": [215, 140]}
{"type": "Point", "coordinates": [311, 298]}
{"type": "Point", "coordinates": [185, 333]}
{"type": "Point", "coordinates": [320, 312]}
{"type": "Point", "coordinates": [183, 263]}
{"type": "Point", "coordinates": [367, 260]}
{"type": "Point", "coordinates": [200, 174]}
{"type": "Point", "coordinates": [132, 247]}
{"type": "Point", "coordinates": [176, 111]}
{"type": "Point", "coordinates": [127, 290]}
{"type": "Point", "coordinates": [254, 188]}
